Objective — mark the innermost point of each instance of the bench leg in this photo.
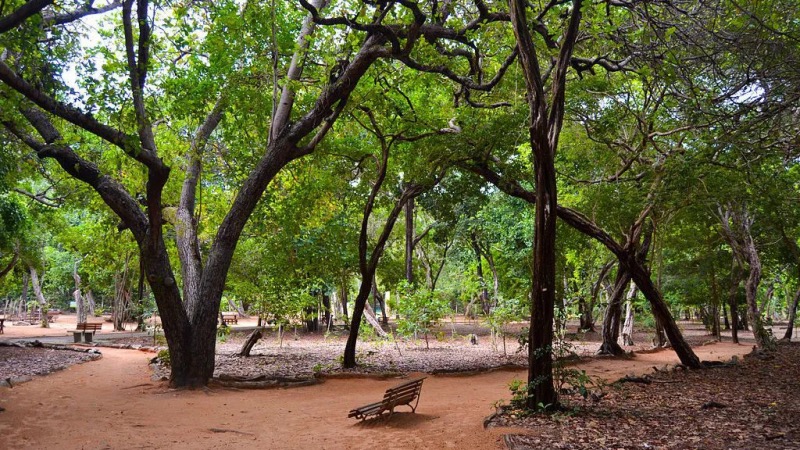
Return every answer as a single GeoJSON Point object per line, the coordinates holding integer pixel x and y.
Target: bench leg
{"type": "Point", "coordinates": [76, 336]}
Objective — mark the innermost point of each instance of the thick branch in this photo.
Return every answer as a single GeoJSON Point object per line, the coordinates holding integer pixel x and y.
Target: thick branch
{"type": "Point", "coordinates": [21, 14]}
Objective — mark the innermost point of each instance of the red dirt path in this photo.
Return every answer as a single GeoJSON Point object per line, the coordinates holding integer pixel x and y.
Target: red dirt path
{"type": "Point", "coordinates": [111, 403]}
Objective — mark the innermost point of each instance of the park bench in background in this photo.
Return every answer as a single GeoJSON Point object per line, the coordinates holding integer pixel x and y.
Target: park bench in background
{"type": "Point", "coordinates": [229, 317]}
{"type": "Point", "coordinates": [402, 394]}
{"type": "Point", "coordinates": [33, 317]}
{"type": "Point", "coordinates": [52, 315]}
{"type": "Point", "coordinates": [86, 330]}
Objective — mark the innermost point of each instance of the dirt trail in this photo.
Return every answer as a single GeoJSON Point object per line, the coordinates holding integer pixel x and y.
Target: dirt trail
{"type": "Point", "coordinates": [111, 404]}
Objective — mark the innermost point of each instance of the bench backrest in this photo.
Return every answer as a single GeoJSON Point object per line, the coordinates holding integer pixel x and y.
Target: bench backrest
{"type": "Point", "coordinates": [403, 393]}
{"type": "Point", "coordinates": [88, 326]}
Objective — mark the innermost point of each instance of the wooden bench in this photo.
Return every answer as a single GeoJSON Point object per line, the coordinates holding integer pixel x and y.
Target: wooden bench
{"type": "Point", "coordinates": [402, 394]}
{"type": "Point", "coordinates": [33, 317]}
{"type": "Point", "coordinates": [86, 330]}
{"type": "Point", "coordinates": [229, 318]}
{"type": "Point", "coordinates": [52, 315]}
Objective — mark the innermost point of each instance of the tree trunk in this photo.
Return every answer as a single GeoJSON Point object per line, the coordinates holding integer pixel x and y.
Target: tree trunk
{"type": "Point", "coordinates": [326, 307]}
{"type": "Point", "coordinates": [715, 302]}
{"type": "Point", "coordinates": [587, 314]}
{"type": "Point", "coordinates": [763, 339]}
{"type": "Point", "coordinates": [311, 319]}
{"type": "Point", "coordinates": [611, 322]}
{"type": "Point", "coordinates": [379, 300]}
{"type": "Point", "coordinates": [250, 342]}
{"type": "Point", "coordinates": [661, 337]}
{"type": "Point", "coordinates": [792, 314]}
{"type": "Point", "coordinates": [627, 330]}
{"type": "Point", "coordinates": [80, 305]}
{"type": "Point", "coordinates": [37, 291]}
{"type": "Point", "coordinates": [736, 278]}
{"type": "Point", "coordinates": [122, 299]}
{"type": "Point", "coordinates": [343, 298]}
{"type": "Point", "coordinates": [368, 264]}
{"type": "Point", "coordinates": [661, 313]}
{"type": "Point", "coordinates": [484, 293]}
{"type": "Point", "coordinates": [237, 306]}
{"type": "Point", "coordinates": [90, 304]}
{"type": "Point", "coordinates": [409, 242]}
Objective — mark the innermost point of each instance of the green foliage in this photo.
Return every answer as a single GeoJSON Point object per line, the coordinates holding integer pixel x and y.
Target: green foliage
{"type": "Point", "coordinates": [163, 357]}
{"type": "Point", "coordinates": [420, 310]}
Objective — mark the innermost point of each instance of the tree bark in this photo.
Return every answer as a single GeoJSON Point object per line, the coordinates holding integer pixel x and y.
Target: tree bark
{"type": "Point", "coordinates": [792, 315]}
{"type": "Point", "coordinates": [627, 329]}
{"type": "Point", "coordinates": [610, 345]}
{"type": "Point", "coordinates": [368, 264]}
{"type": "Point", "coordinates": [377, 296]}
{"type": "Point", "coordinates": [410, 242]}
{"type": "Point", "coordinates": [484, 293]}
{"type": "Point", "coordinates": [326, 306]}
{"type": "Point", "coordinates": [343, 299]}
{"type": "Point", "coordinates": [37, 291]}
{"type": "Point", "coordinates": [250, 342]}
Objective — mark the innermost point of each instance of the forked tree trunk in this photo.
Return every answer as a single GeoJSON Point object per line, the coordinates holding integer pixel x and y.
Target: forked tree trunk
{"type": "Point", "coordinates": [368, 261]}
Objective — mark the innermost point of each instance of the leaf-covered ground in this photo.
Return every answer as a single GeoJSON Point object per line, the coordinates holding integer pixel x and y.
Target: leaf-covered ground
{"type": "Point", "coordinates": [20, 363]}
{"type": "Point", "coordinates": [753, 404]}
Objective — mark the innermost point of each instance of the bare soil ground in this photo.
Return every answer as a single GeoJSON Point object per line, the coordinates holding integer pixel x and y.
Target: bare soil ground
{"type": "Point", "coordinates": [113, 402]}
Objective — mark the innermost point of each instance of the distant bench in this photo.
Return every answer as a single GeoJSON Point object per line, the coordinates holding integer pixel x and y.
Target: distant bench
{"type": "Point", "coordinates": [52, 315]}
{"type": "Point", "coordinates": [229, 318]}
{"type": "Point", "coordinates": [87, 330]}
{"type": "Point", "coordinates": [402, 394]}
